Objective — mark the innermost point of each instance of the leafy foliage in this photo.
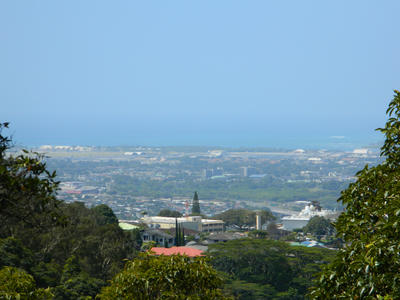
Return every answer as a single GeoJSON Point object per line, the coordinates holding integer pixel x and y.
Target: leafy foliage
{"type": "Point", "coordinates": [179, 234]}
{"type": "Point", "coordinates": [267, 269]}
{"type": "Point", "coordinates": [14, 254]}
{"type": "Point", "coordinates": [258, 234]}
{"type": "Point", "coordinates": [368, 267]}
{"type": "Point", "coordinates": [105, 214]}
{"type": "Point", "coordinates": [100, 248]}
{"type": "Point", "coordinates": [196, 205]}
{"type": "Point", "coordinates": [39, 233]}
{"type": "Point", "coordinates": [243, 217]}
{"type": "Point", "coordinates": [244, 290]}
{"type": "Point", "coordinates": [27, 191]}
{"type": "Point", "coordinates": [319, 226]}
{"type": "Point", "coordinates": [165, 277]}
{"type": "Point", "coordinates": [17, 284]}
{"type": "Point", "coordinates": [76, 284]}
{"type": "Point", "coordinates": [169, 213]}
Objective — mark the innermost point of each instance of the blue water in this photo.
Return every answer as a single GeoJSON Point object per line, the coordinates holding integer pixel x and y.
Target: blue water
{"type": "Point", "coordinates": [197, 132]}
{"type": "Point", "coordinates": [218, 140]}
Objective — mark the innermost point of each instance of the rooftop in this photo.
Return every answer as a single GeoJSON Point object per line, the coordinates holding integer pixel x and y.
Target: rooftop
{"type": "Point", "coordinates": [177, 251]}
{"type": "Point", "coordinates": [127, 226]}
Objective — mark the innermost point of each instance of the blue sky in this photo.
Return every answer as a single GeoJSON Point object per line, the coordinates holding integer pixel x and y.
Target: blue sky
{"type": "Point", "coordinates": [196, 72]}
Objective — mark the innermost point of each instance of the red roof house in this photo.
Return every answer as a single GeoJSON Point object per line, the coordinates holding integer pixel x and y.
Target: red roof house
{"type": "Point", "coordinates": [191, 252]}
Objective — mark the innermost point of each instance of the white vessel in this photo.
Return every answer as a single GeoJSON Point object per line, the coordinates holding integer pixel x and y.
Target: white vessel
{"type": "Point", "coordinates": [301, 219]}
{"type": "Point", "coordinates": [310, 210]}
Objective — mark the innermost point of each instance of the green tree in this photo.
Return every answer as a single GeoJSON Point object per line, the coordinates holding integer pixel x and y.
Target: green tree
{"type": "Point", "coordinates": [106, 214]}
{"type": "Point", "coordinates": [169, 213]}
{"type": "Point", "coordinates": [243, 217]}
{"type": "Point", "coordinates": [196, 205]}
{"type": "Point", "coordinates": [17, 284]}
{"type": "Point", "coordinates": [319, 226]}
{"type": "Point", "coordinates": [71, 269]}
{"type": "Point", "coordinates": [76, 284]}
{"type": "Point", "coordinates": [27, 191]}
{"type": "Point", "coordinates": [243, 290]}
{"type": "Point", "coordinates": [258, 234]}
{"type": "Point", "coordinates": [38, 233]}
{"type": "Point", "coordinates": [267, 269]}
{"type": "Point", "coordinates": [368, 266]}
{"type": "Point", "coordinates": [165, 277]}
{"type": "Point", "coordinates": [148, 245]}
{"type": "Point", "coordinates": [179, 234]}
{"type": "Point", "coordinates": [14, 254]}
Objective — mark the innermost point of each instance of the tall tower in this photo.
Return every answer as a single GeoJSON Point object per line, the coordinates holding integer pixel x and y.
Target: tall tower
{"type": "Point", "coordinates": [195, 205]}
{"type": "Point", "coordinates": [258, 220]}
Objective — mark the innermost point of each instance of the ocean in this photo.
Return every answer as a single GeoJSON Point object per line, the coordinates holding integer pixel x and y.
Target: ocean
{"type": "Point", "coordinates": [109, 133]}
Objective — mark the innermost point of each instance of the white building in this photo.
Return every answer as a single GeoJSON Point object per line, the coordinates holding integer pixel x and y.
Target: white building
{"type": "Point", "coordinates": [192, 222]}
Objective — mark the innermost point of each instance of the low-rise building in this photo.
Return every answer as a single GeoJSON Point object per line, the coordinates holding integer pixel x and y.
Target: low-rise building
{"type": "Point", "coordinates": [196, 223]}
{"type": "Point", "coordinates": [224, 237]}
{"type": "Point", "coordinates": [208, 225]}
{"type": "Point", "coordinates": [158, 236]}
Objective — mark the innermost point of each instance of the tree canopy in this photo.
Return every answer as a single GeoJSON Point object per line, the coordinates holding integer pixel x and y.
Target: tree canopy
{"type": "Point", "coordinates": [368, 266]}
{"type": "Point", "coordinates": [319, 226]}
{"type": "Point", "coordinates": [196, 205]}
{"type": "Point", "coordinates": [41, 236]}
{"type": "Point", "coordinates": [17, 284]}
{"type": "Point", "coordinates": [105, 214]}
{"type": "Point", "coordinates": [267, 269]}
{"type": "Point", "coordinates": [165, 277]}
{"type": "Point", "coordinates": [169, 213]}
{"type": "Point", "coordinates": [243, 217]}
{"type": "Point", "coordinates": [27, 191]}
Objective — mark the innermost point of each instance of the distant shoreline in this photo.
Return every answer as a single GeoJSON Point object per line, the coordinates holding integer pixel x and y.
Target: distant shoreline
{"type": "Point", "coordinates": [335, 145]}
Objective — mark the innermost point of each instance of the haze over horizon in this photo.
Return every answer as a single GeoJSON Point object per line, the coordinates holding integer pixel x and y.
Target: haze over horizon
{"type": "Point", "coordinates": [229, 73]}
